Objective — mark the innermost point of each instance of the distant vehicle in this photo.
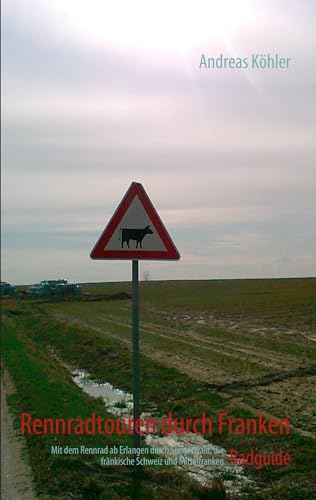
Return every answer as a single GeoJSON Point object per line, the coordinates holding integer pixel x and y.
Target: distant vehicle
{"type": "Point", "coordinates": [68, 290]}
{"type": "Point", "coordinates": [6, 289]}
{"type": "Point", "coordinates": [55, 288]}
{"type": "Point", "coordinates": [53, 283]}
{"type": "Point", "coordinates": [34, 289]}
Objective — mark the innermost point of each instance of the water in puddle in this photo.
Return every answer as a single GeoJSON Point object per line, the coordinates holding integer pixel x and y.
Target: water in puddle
{"type": "Point", "coordinates": [118, 402]}
{"type": "Point", "coordinates": [187, 448]}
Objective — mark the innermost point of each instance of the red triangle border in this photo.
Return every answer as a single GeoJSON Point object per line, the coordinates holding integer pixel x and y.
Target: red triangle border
{"type": "Point", "coordinates": [135, 189]}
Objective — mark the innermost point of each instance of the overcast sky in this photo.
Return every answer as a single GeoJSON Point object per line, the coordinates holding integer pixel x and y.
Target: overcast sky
{"type": "Point", "coordinates": [98, 94]}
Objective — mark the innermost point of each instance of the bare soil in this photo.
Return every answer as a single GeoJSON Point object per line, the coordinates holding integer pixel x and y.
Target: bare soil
{"type": "Point", "coordinates": [270, 367]}
{"type": "Point", "coordinates": [16, 479]}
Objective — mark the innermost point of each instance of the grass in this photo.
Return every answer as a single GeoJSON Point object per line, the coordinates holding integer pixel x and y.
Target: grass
{"type": "Point", "coordinates": [45, 389]}
{"type": "Point", "coordinates": [282, 303]}
{"type": "Point", "coordinates": [240, 354]}
{"type": "Point", "coordinates": [291, 302]}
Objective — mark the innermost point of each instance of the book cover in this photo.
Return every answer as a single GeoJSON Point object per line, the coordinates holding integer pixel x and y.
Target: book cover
{"type": "Point", "coordinates": [179, 360]}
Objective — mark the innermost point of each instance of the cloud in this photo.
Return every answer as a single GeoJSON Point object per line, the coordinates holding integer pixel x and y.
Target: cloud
{"type": "Point", "coordinates": [227, 157]}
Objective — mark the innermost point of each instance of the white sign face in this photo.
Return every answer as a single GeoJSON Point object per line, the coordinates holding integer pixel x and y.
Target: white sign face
{"type": "Point", "coordinates": [134, 231]}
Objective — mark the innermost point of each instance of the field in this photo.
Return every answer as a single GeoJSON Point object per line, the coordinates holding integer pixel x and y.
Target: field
{"type": "Point", "coordinates": [241, 346]}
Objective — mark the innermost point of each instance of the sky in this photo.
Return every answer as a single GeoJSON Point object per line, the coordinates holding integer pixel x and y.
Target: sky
{"type": "Point", "coordinates": [96, 95]}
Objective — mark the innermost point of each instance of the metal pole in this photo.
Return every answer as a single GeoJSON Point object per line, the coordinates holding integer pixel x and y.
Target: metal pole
{"type": "Point", "coordinates": [135, 333]}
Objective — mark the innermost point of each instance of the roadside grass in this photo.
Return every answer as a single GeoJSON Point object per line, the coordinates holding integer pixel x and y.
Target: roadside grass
{"type": "Point", "coordinates": [104, 357]}
{"type": "Point", "coordinates": [44, 389]}
{"type": "Point", "coordinates": [288, 302]}
{"type": "Point", "coordinates": [108, 360]}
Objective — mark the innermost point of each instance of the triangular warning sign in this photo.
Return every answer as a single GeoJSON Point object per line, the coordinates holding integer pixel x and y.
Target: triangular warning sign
{"type": "Point", "coordinates": [135, 231]}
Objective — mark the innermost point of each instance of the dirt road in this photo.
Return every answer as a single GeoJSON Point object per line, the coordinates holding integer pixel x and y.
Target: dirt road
{"type": "Point", "coordinates": [16, 482]}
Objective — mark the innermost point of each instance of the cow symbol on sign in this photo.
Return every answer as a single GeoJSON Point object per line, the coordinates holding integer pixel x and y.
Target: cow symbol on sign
{"type": "Point", "coordinates": [134, 234]}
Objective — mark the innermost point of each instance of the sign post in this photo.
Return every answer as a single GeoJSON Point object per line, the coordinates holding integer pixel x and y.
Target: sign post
{"type": "Point", "coordinates": [135, 232]}
{"type": "Point", "coordinates": [135, 336]}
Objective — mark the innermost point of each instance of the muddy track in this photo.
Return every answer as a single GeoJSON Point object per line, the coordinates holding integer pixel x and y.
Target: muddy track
{"type": "Point", "coordinates": [189, 366]}
{"type": "Point", "coordinates": [271, 392]}
{"type": "Point", "coordinates": [180, 339]}
{"type": "Point", "coordinates": [226, 319]}
{"type": "Point", "coordinates": [238, 402]}
{"type": "Point", "coordinates": [263, 357]}
{"type": "Point", "coordinates": [266, 380]}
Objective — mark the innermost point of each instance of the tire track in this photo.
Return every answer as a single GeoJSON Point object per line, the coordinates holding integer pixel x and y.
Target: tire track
{"type": "Point", "coordinates": [185, 342]}
{"type": "Point", "coordinates": [264, 357]}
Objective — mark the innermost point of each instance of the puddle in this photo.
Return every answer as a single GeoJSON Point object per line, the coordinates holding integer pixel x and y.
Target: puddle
{"type": "Point", "coordinates": [118, 402]}
{"type": "Point", "coordinates": [191, 450]}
